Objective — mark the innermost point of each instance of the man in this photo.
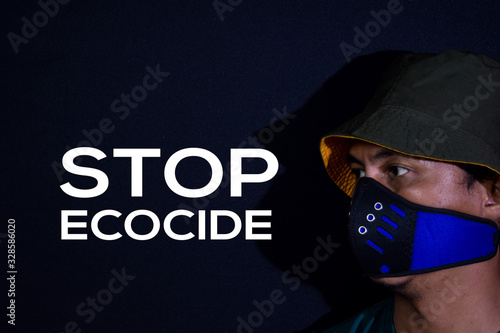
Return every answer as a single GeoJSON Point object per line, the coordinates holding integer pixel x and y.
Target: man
{"type": "Point", "coordinates": [422, 165]}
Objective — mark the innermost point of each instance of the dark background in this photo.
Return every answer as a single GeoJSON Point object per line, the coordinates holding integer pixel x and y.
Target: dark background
{"type": "Point", "coordinates": [229, 75]}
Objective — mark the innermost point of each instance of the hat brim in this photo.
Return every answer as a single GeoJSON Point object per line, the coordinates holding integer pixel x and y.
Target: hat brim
{"type": "Point", "coordinates": [335, 148]}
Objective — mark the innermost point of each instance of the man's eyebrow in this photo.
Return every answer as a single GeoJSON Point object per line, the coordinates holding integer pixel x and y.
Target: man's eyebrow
{"type": "Point", "coordinates": [383, 153]}
{"type": "Point", "coordinates": [353, 160]}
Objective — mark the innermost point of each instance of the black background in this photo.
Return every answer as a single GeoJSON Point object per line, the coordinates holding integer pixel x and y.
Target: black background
{"type": "Point", "coordinates": [227, 73]}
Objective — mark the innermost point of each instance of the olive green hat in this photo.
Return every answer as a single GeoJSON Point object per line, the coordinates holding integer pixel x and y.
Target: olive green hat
{"type": "Point", "coordinates": [442, 106]}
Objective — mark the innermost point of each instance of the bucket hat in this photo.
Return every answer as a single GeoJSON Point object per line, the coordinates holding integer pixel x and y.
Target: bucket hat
{"type": "Point", "coordinates": [444, 107]}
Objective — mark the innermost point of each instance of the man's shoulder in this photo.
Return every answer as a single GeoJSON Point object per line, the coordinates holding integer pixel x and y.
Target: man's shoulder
{"type": "Point", "coordinates": [377, 318]}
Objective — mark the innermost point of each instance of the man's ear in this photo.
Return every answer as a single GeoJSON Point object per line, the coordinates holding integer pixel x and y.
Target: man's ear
{"type": "Point", "coordinates": [492, 206]}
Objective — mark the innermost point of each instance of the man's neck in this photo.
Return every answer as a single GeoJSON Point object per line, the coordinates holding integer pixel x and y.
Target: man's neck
{"type": "Point", "coordinates": [461, 299]}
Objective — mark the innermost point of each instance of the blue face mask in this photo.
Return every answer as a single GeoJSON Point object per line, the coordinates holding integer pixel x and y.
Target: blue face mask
{"type": "Point", "coordinates": [392, 236]}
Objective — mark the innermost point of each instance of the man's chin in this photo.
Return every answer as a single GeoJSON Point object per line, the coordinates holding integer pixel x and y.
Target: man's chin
{"type": "Point", "coordinates": [398, 284]}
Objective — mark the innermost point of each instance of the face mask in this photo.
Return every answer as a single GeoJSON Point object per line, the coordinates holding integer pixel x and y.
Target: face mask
{"type": "Point", "coordinates": [392, 236]}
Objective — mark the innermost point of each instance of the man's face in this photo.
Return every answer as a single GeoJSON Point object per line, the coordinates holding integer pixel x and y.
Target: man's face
{"type": "Point", "coordinates": [421, 181]}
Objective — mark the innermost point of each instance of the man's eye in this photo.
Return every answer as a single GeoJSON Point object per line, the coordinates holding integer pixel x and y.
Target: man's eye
{"type": "Point", "coordinates": [397, 170]}
{"type": "Point", "coordinates": [358, 173]}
